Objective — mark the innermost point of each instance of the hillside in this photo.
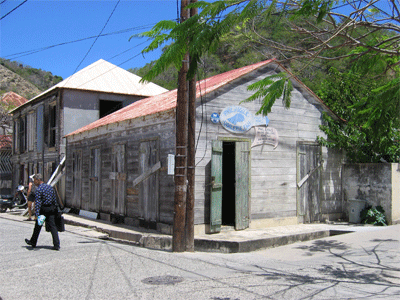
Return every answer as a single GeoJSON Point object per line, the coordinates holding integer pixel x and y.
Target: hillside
{"type": "Point", "coordinates": [24, 80]}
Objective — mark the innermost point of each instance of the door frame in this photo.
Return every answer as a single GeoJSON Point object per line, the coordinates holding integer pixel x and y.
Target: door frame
{"type": "Point", "coordinates": [216, 188]}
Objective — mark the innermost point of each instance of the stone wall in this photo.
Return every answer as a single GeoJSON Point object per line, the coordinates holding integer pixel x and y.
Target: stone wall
{"type": "Point", "coordinates": [377, 184]}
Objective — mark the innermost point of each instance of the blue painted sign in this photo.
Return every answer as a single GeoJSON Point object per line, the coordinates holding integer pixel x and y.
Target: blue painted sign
{"type": "Point", "coordinates": [215, 118]}
{"type": "Point", "coordinates": [238, 119]}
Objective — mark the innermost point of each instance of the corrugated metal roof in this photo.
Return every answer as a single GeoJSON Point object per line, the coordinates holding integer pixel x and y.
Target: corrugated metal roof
{"type": "Point", "coordinates": [14, 99]}
{"type": "Point", "coordinates": [167, 101]}
{"type": "Point", "coordinates": [102, 76]}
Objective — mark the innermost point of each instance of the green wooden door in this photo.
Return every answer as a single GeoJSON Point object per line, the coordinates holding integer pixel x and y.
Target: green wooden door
{"type": "Point", "coordinates": [216, 187]}
{"type": "Point", "coordinates": [242, 185]}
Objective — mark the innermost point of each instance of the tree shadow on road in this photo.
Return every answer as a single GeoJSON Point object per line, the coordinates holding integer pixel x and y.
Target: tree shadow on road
{"type": "Point", "coordinates": [369, 271]}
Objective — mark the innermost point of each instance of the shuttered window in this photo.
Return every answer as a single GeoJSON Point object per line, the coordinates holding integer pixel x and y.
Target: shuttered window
{"type": "Point", "coordinates": [22, 134]}
{"type": "Point", "coordinates": [52, 125]}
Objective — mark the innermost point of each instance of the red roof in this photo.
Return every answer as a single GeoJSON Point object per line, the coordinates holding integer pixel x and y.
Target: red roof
{"type": "Point", "coordinates": [167, 100]}
{"type": "Point", "coordinates": [5, 141]}
{"type": "Point", "coordinates": [13, 99]}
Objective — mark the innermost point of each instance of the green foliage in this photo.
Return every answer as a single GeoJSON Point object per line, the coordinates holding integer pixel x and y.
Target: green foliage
{"type": "Point", "coordinates": [269, 89]}
{"type": "Point", "coordinates": [41, 79]}
{"type": "Point", "coordinates": [320, 8]}
{"type": "Point", "coordinates": [363, 91]}
{"type": "Point", "coordinates": [373, 215]}
{"type": "Point", "coordinates": [198, 35]}
{"type": "Point", "coordinates": [366, 137]}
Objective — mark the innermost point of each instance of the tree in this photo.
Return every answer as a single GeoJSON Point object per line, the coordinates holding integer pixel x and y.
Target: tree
{"type": "Point", "coordinates": [362, 32]}
{"type": "Point", "coordinates": [344, 93]}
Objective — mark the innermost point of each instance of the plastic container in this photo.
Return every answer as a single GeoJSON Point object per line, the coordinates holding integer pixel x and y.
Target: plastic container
{"type": "Point", "coordinates": [41, 220]}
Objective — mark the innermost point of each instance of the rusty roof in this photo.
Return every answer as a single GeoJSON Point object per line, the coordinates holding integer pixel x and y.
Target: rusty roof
{"type": "Point", "coordinates": [167, 101]}
{"type": "Point", "coordinates": [5, 142]}
{"type": "Point", "coordinates": [13, 99]}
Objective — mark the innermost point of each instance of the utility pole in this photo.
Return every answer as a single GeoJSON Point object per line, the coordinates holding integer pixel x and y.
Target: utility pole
{"type": "Point", "coordinates": [191, 158]}
{"type": "Point", "coordinates": [181, 152]}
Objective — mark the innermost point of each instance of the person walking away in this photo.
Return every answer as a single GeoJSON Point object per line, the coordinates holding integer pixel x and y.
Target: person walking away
{"type": "Point", "coordinates": [31, 197]}
{"type": "Point", "coordinates": [45, 204]}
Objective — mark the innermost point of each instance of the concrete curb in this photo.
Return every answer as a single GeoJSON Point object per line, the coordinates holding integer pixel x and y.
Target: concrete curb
{"type": "Point", "coordinates": [227, 242]}
{"type": "Point", "coordinates": [205, 245]}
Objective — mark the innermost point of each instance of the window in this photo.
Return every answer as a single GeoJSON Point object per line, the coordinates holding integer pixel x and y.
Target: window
{"type": "Point", "coordinates": [52, 125]}
{"type": "Point", "coordinates": [31, 128]}
{"type": "Point", "coordinates": [95, 164]}
{"type": "Point", "coordinates": [108, 107]}
{"type": "Point", "coordinates": [15, 137]}
{"type": "Point", "coordinates": [22, 134]}
{"type": "Point", "coordinates": [39, 129]}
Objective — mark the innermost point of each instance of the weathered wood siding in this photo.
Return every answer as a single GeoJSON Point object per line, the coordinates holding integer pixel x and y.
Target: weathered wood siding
{"type": "Point", "coordinates": [273, 171]}
{"type": "Point", "coordinates": [39, 155]}
{"type": "Point", "coordinates": [131, 134]}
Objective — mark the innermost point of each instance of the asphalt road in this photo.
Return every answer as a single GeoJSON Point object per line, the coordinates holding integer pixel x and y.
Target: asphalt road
{"type": "Point", "coordinates": [362, 265]}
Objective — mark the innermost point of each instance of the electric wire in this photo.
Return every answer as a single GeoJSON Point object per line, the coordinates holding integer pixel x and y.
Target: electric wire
{"type": "Point", "coordinates": [87, 53]}
{"type": "Point", "coordinates": [11, 10]}
{"type": "Point", "coordinates": [33, 51]}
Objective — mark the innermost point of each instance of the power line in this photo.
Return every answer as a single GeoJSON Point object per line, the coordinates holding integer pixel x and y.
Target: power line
{"type": "Point", "coordinates": [12, 9]}
{"type": "Point", "coordinates": [115, 7]}
{"type": "Point", "coordinates": [29, 52]}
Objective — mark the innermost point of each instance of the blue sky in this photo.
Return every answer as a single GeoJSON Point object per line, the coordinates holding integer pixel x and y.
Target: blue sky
{"type": "Point", "coordinates": [37, 24]}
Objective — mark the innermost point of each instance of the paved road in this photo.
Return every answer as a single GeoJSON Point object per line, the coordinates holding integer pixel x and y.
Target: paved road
{"type": "Point", "coordinates": [362, 265]}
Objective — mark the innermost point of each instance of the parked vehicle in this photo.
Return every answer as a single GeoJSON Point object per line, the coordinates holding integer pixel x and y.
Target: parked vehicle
{"type": "Point", "coordinates": [19, 200]}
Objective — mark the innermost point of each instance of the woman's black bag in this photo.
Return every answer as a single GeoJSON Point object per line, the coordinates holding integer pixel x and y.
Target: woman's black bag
{"type": "Point", "coordinates": [60, 222]}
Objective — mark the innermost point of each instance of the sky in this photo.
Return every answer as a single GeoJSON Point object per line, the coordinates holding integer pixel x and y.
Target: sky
{"type": "Point", "coordinates": [39, 24]}
{"type": "Point", "coordinates": [44, 34]}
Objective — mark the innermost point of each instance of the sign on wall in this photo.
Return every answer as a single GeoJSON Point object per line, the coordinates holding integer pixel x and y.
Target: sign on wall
{"type": "Point", "coordinates": [238, 119]}
{"type": "Point", "coordinates": [265, 135]}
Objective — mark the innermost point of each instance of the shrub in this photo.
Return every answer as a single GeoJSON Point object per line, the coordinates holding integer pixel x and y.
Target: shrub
{"type": "Point", "coordinates": [373, 215]}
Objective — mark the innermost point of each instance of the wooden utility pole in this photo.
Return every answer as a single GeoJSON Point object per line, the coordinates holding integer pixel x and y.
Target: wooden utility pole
{"type": "Point", "coordinates": [181, 152]}
{"type": "Point", "coordinates": [191, 158]}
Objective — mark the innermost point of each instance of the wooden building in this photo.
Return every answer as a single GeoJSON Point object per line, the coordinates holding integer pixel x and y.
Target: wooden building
{"type": "Point", "coordinates": [8, 101]}
{"type": "Point", "coordinates": [40, 125]}
{"type": "Point", "coordinates": [251, 171]}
